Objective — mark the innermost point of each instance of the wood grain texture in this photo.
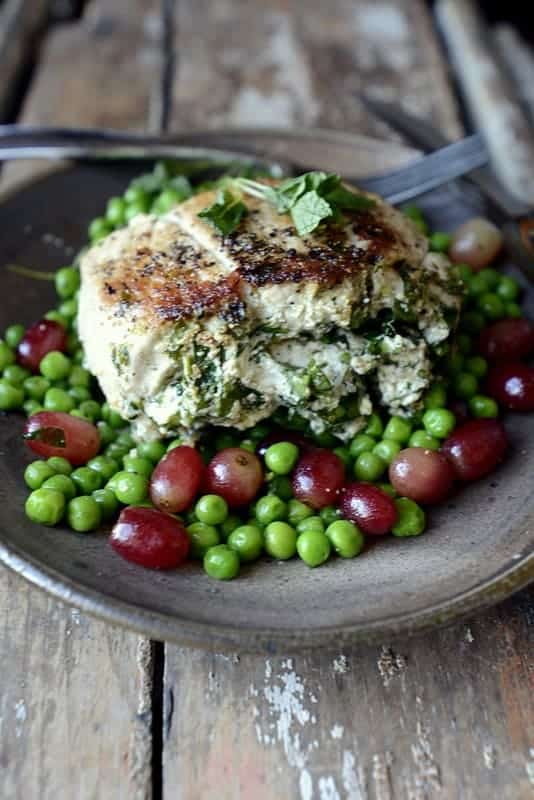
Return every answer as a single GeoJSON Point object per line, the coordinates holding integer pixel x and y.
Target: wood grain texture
{"type": "Point", "coordinates": [447, 716]}
{"type": "Point", "coordinates": [491, 97]}
{"type": "Point", "coordinates": [20, 23]}
{"type": "Point", "coordinates": [288, 63]}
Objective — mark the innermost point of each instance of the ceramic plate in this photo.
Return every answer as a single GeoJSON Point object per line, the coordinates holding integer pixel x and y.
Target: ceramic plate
{"type": "Point", "coordinates": [479, 547]}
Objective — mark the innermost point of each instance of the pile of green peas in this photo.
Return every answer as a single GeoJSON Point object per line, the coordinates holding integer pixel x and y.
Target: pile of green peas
{"type": "Point", "coordinates": [277, 524]}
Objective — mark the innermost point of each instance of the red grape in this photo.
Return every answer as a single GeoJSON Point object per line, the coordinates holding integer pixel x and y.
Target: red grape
{"type": "Point", "coordinates": [507, 340]}
{"type": "Point", "coordinates": [476, 242]}
{"type": "Point", "coordinates": [54, 433]}
{"type": "Point", "coordinates": [41, 338]}
{"type": "Point", "coordinates": [282, 435]}
{"type": "Point", "coordinates": [425, 476]}
{"type": "Point", "coordinates": [512, 385]}
{"type": "Point", "coordinates": [150, 538]}
{"type": "Point", "coordinates": [176, 480]}
{"type": "Point", "coordinates": [318, 478]}
{"type": "Point", "coordinates": [234, 474]}
{"type": "Point", "coordinates": [369, 507]}
{"type": "Point", "coordinates": [475, 448]}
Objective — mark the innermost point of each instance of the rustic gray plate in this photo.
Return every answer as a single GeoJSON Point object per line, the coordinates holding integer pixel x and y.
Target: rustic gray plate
{"type": "Point", "coordinates": [478, 550]}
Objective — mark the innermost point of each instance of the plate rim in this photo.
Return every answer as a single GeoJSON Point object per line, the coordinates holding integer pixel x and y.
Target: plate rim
{"type": "Point", "coordinates": [510, 578]}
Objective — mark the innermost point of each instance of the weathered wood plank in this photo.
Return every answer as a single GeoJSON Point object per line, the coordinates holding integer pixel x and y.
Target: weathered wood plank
{"type": "Point", "coordinates": [20, 23]}
{"type": "Point", "coordinates": [287, 63]}
{"type": "Point", "coordinates": [75, 703]}
{"type": "Point", "coordinates": [450, 715]}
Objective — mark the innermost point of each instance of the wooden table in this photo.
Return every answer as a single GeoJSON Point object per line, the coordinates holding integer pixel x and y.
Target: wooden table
{"type": "Point", "coordinates": [93, 712]}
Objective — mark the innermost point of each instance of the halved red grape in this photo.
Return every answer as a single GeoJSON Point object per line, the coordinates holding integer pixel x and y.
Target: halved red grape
{"type": "Point", "coordinates": [476, 242]}
{"type": "Point", "coordinates": [54, 433]}
{"type": "Point", "coordinates": [234, 474]}
{"type": "Point", "coordinates": [150, 538]}
{"type": "Point", "coordinates": [318, 478]}
{"type": "Point", "coordinates": [283, 435]}
{"type": "Point", "coordinates": [425, 476]}
{"type": "Point", "coordinates": [41, 338]}
{"type": "Point", "coordinates": [512, 385]}
{"type": "Point", "coordinates": [475, 448]}
{"type": "Point", "coordinates": [177, 478]}
{"type": "Point", "coordinates": [369, 507]}
{"type": "Point", "coordinates": [507, 340]}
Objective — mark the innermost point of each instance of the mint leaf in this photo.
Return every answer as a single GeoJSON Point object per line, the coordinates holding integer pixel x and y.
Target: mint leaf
{"type": "Point", "coordinates": [343, 198]}
{"type": "Point", "coordinates": [226, 212]}
{"type": "Point", "coordinates": [309, 211]}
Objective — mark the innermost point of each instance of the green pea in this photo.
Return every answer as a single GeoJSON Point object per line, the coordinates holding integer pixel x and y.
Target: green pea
{"type": "Point", "coordinates": [107, 503]}
{"type": "Point", "coordinates": [129, 487]}
{"type": "Point", "coordinates": [436, 397]}
{"type": "Point", "coordinates": [314, 548]}
{"type": "Point", "coordinates": [346, 538]}
{"type": "Point", "coordinates": [483, 407]}
{"type": "Point", "coordinates": [98, 229]}
{"type": "Point", "coordinates": [212, 509]}
{"type": "Point", "coordinates": [37, 473]}
{"type": "Point", "coordinates": [465, 273]}
{"type": "Point", "coordinates": [116, 451]}
{"type": "Point", "coordinates": [325, 439]}
{"type": "Point", "coordinates": [58, 400]}
{"type": "Point", "coordinates": [247, 541]}
{"type": "Point", "coordinates": [491, 276]}
{"type": "Point", "coordinates": [60, 465]}
{"type": "Point", "coordinates": [297, 511]}
{"type": "Point", "coordinates": [478, 285]}
{"type": "Point", "coordinates": [491, 305]}
{"type": "Point", "coordinates": [154, 451]}
{"type": "Point", "coordinates": [67, 282]}
{"type": "Point", "coordinates": [136, 194]}
{"type": "Point", "coordinates": [80, 377]}
{"type": "Point", "coordinates": [125, 439]}
{"type": "Point", "coordinates": [439, 422]}
{"type": "Point", "coordinates": [374, 427]}
{"type": "Point", "coordinates": [440, 242]}
{"type": "Point", "coordinates": [269, 509]}
{"type": "Point", "coordinates": [369, 467]}
{"type": "Point", "coordinates": [221, 562]}
{"type": "Point", "coordinates": [91, 410]}
{"type": "Point", "coordinates": [280, 540]}
{"type": "Point", "coordinates": [78, 357]}
{"type": "Point", "coordinates": [87, 480]}
{"type": "Point", "coordinates": [362, 443]}
{"type": "Point", "coordinates": [55, 366]}
{"type": "Point", "coordinates": [281, 486]}
{"type": "Point", "coordinates": [314, 523]}
{"type": "Point", "coordinates": [31, 407]}
{"type": "Point", "coordinates": [63, 484]}
{"type": "Point", "coordinates": [387, 488]}
{"type": "Point", "coordinates": [412, 211]}
{"type": "Point", "coordinates": [329, 514]}
{"type": "Point", "coordinates": [411, 519]}
{"type": "Point", "coordinates": [105, 466]}
{"type": "Point", "coordinates": [387, 449]}
{"type": "Point", "coordinates": [83, 514]}
{"type": "Point", "coordinates": [55, 316]}
{"type": "Point", "coordinates": [260, 431]}
{"type": "Point", "coordinates": [15, 374]}
{"type": "Point", "coordinates": [420, 438]}
{"type": "Point", "coordinates": [140, 465]}
{"type": "Point", "coordinates": [455, 363]}
{"type": "Point", "coordinates": [472, 322]}
{"type": "Point", "coordinates": [229, 525]}
{"type": "Point", "coordinates": [343, 453]}
{"type": "Point", "coordinates": [115, 212]}
{"type": "Point", "coordinates": [112, 417]}
{"type": "Point", "coordinates": [14, 333]}
{"type": "Point", "coordinates": [11, 397]}
{"type": "Point", "coordinates": [202, 536]}
{"type": "Point", "coordinates": [7, 355]}
{"type": "Point", "coordinates": [45, 506]}
{"type": "Point", "coordinates": [79, 394]}
{"type": "Point", "coordinates": [465, 385]}
{"type": "Point", "coordinates": [166, 200]}
{"type": "Point", "coordinates": [106, 433]}
{"type": "Point", "coordinates": [36, 387]}
{"type": "Point", "coordinates": [513, 311]}
{"type": "Point", "coordinates": [175, 443]}
{"type": "Point", "coordinates": [247, 444]}
{"type": "Point", "coordinates": [281, 457]}
{"type": "Point", "coordinates": [477, 366]}
{"type": "Point", "coordinates": [507, 289]}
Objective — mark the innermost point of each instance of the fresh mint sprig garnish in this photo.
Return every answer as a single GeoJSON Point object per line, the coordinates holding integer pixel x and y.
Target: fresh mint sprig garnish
{"type": "Point", "coordinates": [310, 199]}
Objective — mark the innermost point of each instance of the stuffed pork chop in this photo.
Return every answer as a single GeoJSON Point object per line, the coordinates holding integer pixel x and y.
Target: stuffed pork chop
{"type": "Point", "coordinates": [185, 326]}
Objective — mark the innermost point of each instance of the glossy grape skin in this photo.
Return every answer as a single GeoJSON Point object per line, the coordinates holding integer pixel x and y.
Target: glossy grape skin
{"type": "Point", "coordinates": [234, 474]}
{"type": "Point", "coordinates": [80, 439]}
{"type": "Point", "coordinates": [318, 478]}
{"type": "Point", "coordinates": [425, 476]}
{"type": "Point", "coordinates": [475, 448]}
{"type": "Point", "coordinates": [176, 480]}
{"type": "Point", "coordinates": [150, 538]}
{"type": "Point", "coordinates": [507, 340]}
{"type": "Point", "coordinates": [512, 385]}
{"type": "Point", "coordinates": [39, 339]}
{"type": "Point", "coordinates": [371, 509]}
{"type": "Point", "coordinates": [477, 242]}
